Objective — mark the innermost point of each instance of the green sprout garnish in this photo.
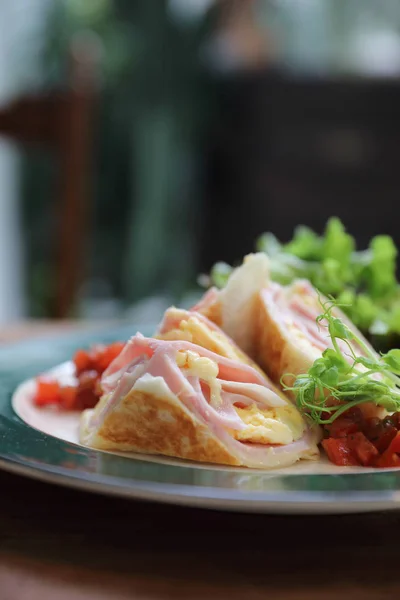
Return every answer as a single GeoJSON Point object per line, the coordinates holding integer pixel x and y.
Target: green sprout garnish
{"type": "Point", "coordinates": [341, 378]}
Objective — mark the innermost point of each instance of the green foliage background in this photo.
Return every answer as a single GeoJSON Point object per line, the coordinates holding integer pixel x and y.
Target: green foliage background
{"type": "Point", "coordinates": [153, 107]}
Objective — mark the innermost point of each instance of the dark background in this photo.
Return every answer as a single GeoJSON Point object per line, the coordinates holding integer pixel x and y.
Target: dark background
{"type": "Point", "coordinates": [292, 151]}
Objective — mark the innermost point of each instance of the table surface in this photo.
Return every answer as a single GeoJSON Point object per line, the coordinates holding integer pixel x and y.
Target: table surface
{"type": "Point", "coordinates": [61, 544]}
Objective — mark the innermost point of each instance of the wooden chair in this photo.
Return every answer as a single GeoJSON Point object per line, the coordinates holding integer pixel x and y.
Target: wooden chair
{"type": "Point", "coordinates": [61, 120]}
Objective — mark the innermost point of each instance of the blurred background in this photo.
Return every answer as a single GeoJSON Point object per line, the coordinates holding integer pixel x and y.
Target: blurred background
{"type": "Point", "coordinates": [142, 140]}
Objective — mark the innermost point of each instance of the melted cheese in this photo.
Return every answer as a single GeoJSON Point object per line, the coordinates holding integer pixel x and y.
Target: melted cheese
{"type": "Point", "coordinates": [281, 425]}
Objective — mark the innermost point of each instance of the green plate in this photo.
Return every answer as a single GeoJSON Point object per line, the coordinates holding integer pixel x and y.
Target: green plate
{"type": "Point", "coordinates": [29, 452]}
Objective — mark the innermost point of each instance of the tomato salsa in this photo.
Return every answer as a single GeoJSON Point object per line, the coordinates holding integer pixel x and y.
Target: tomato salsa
{"type": "Point", "coordinates": [86, 391]}
{"type": "Point", "coordinates": [355, 440]}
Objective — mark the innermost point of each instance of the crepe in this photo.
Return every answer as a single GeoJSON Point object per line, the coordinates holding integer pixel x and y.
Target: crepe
{"type": "Point", "coordinates": [192, 326]}
{"type": "Point", "coordinates": [290, 340]}
{"type": "Point", "coordinates": [179, 399]}
{"type": "Point", "coordinates": [279, 328]}
{"type": "Point", "coordinates": [236, 307]}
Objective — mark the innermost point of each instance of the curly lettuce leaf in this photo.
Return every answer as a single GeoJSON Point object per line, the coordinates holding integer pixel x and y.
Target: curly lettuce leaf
{"type": "Point", "coordinates": [380, 274]}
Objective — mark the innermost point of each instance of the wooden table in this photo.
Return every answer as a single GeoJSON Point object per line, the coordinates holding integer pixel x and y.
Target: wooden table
{"type": "Point", "coordinates": [61, 544]}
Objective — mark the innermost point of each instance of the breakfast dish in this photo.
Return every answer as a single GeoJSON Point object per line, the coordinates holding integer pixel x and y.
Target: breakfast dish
{"type": "Point", "coordinates": [268, 395]}
{"type": "Point", "coordinates": [178, 399]}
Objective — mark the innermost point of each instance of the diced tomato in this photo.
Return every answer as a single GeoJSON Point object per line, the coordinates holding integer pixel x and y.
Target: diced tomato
{"type": "Point", "coordinates": [395, 444]}
{"type": "Point", "coordinates": [87, 394]}
{"type": "Point", "coordinates": [82, 361]}
{"type": "Point", "coordinates": [89, 366]}
{"type": "Point", "coordinates": [86, 398]}
{"type": "Point", "coordinates": [68, 397]}
{"type": "Point", "coordinates": [339, 452]}
{"type": "Point", "coordinates": [355, 439]}
{"type": "Point", "coordinates": [393, 420]}
{"type": "Point", "coordinates": [342, 427]}
{"type": "Point", "coordinates": [390, 458]}
{"type": "Point", "coordinates": [347, 423]}
{"type": "Point", "coordinates": [380, 434]}
{"type": "Point", "coordinates": [364, 450]}
{"type": "Point", "coordinates": [47, 392]}
{"type": "Point", "coordinates": [107, 355]}
{"type": "Point", "coordinates": [387, 459]}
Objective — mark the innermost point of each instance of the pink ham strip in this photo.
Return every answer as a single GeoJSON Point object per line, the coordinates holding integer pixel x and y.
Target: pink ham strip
{"type": "Point", "coordinates": [161, 364]}
{"type": "Point", "coordinates": [226, 414]}
{"type": "Point", "coordinates": [252, 393]}
{"type": "Point", "coordinates": [302, 316]}
{"type": "Point", "coordinates": [209, 298]}
{"type": "Point", "coordinates": [228, 369]}
{"type": "Point", "coordinates": [310, 329]}
{"type": "Point", "coordinates": [309, 317]}
{"type": "Point", "coordinates": [172, 319]}
{"type": "Point", "coordinates": [119, 365]}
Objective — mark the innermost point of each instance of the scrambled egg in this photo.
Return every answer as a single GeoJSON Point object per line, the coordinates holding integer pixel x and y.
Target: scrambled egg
{"type": "Point", "coordinates": [281, 425]}
{"type": "Point", "coordinates": [194, 331]}
{"type": "Point", "coordinates": [204, 368]}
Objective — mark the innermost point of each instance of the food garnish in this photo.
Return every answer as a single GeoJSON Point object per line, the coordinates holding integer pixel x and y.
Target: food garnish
{"type": "Point", "coordinates": [335, 387]}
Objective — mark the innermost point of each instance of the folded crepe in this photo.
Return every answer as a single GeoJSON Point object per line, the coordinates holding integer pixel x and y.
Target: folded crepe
{"type": "Point", "coordinates": [191, 326]}
{"type": "Point", "coordinates": [179, 399]}
{"type": "Point", "coordinates": [280, 331]}
{"type": "Point", "coordinates": [290, 339]}
{"type": "Point", "coordinates": [235, 308]}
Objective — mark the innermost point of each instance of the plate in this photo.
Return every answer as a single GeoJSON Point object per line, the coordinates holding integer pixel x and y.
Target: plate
{"type": "Point", "coordinates": [305, 488]}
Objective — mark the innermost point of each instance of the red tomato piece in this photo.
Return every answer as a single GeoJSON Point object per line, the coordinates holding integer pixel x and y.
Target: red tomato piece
{"type": "Point", "coordinates": [68, 397]}
{"type": "Point", "coordinates": [107, 355]}
{"type": "Point", "coordinates": [47, 392]}
{"type": "Point", "coordinates": [339, 452]}
{"type": "Point", "coordinates": [384, 437]}
{"type": "Point", "coordinates": [390, 458]}
{"type": "Point", "coordinates": [387, 459]}
{"type": "Point", "coordinates": [395, 444]}
{"type": "Point", "coordinates": [393, 420]}
{"type": "Point", "coordinates": [347, 423]}
{"type": "Point", "coordinates": [82, 361]}
{"type": "Point", "coordinates": [89, 366]}
{"type": "Point", "coordinates": [364, 450]}
{"type": "Point", "coordinates": [87, 394]}
{"type": "Point", "coordinates": [342, 427]}
{"type": "Point", "coordinates": [389, 433]}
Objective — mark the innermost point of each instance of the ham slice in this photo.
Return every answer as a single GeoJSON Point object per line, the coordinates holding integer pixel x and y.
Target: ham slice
{"type": "Point", "coordinates": [298, 306]}
{"type": "Point", "coordinates": [141, 346]}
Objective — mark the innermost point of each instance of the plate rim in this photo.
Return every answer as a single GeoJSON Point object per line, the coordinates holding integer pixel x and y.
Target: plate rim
{"type": "Point", "coordinates": [294, 502]}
